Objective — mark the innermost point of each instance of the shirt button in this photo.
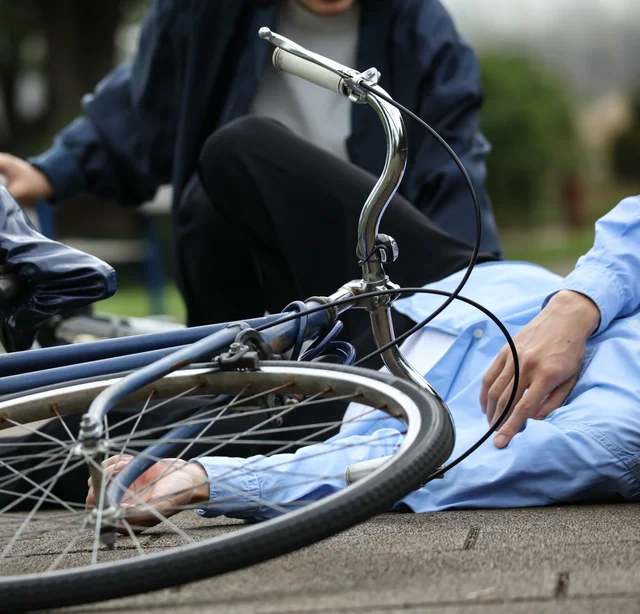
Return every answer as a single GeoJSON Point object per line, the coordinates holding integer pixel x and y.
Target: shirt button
{"type": "Point", "coordinates": [477, 333]}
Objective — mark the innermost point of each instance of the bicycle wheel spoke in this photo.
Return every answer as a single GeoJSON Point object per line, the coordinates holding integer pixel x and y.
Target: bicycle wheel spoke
{"type": "Point", "coordinates": [98, 523]}
{"type": "Point", "coordinates": [258, 500]}
{"type": "Point", "coordinates": [54, 564]}
{"type": "Point", "coordinates": [280, 414]}
{"type": "Point", "coordinates": [145, 506]}
{"type": "Point", "coordinates": [159, 405]}
{"type": "Point", "coordinates": [50, 459]}
{"type": "Point", "coordinates": [212, 423]}
{"type": "Point", "coordinates": [255, 412]}
{"type": "Point", "coordinates": [284, 447]}
{"type": "Point", "coordinates": [134, 539]}
{"type": "Point", "coordinates": [18, 474]}
{"type": "Point", "coordinates": [198, 438]}
{"type": "Point", "coordinates": [37, 506]}
{"type": "Point", "coordinates": [40, 487]}
{"type": "Point", "coordinates": [36, 432]}
{"type": "Point", "coordinates": [64, 425]}
{"type": "Point", "coordinates": [222, 438]}
{"type": "Point", "coordinates": [137, 422]}
{"type": "Point", "coordinates": [164, 520]}
{"type": "Point", "coordinates": [204, 416]}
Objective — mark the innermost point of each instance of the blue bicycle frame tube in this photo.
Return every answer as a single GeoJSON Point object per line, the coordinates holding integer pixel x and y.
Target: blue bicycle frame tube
{"type": "Point", "coordinates": [109, 366]}
{"type": "Point", "coordinates": [281, 337]}
{"type": "Point", "coordinates": [48, 358]}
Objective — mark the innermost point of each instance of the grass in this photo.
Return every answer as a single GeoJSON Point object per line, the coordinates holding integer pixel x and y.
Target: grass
{"type": "Point", "coordinates": [550, 247]}
{"type": "Point", "coordinates": [550, 243]}
{"type": "Point", "coordinates": [132, 300]}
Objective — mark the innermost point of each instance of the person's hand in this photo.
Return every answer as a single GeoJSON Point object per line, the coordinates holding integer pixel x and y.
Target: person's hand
{"type": "Point", "coordinates": [550, 351]}
{"type": "Point", "coordinates": [25, 182]}
{"type": "Point", "coordinates": [167, 487]}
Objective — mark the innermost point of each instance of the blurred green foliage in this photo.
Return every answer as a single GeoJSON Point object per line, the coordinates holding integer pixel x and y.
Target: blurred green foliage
{"type": "Point", "coordinates": [529, 118]}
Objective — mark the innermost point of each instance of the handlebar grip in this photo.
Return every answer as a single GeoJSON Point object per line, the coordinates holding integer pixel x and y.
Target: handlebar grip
{"type": "Point", "coordinates": [292, 64]}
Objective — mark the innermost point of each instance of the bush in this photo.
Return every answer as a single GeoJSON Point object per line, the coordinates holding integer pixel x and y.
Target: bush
{"type": "Point", "coordinates": [529, 120]}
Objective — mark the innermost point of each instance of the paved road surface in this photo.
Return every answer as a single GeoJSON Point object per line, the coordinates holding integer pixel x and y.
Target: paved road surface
{"type": "Point", "coordinates": [544, 560]}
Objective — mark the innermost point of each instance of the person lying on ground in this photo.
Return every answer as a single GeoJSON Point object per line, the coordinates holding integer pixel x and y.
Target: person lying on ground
{"type": "Point", "coordinates": [578, 441]}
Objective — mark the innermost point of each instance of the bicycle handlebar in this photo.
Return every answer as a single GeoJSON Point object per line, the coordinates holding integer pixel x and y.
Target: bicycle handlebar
{"type": "Point", "coordinates": [292, 64]}
{"type": "Point", "coordinates": [294, 59]}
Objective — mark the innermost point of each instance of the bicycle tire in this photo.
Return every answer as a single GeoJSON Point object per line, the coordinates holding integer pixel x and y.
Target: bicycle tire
{"type": "Point", "coordinates": [427, 445]}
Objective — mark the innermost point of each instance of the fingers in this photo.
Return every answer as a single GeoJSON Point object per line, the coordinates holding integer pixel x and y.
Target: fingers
{"type": "Point", "coordinates": [539, 400]}
{"type": "Point", "coordinates": [114, 465]}
{"type": "Point", "coordinates": [7, 164]}
{"type": "Point", "coordinates": [25, 182]}
{"type": "Point", "coordinates": [489, 379]}
{"type": "Point", "coordinates": [504, 399]}
{"type": "Point", "coordinates": [110, 468]}
{"type": "Point", "coordinates": [524, 410]}
{"type": "Point", "coordinates": [501, 386]}
{"type": "Point", "coordinates": [536, 404]}
{"type": "Point", "coordinates": [555, 399]}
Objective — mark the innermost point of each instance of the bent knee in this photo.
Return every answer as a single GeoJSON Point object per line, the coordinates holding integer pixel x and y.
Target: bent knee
{"type": "Point", "coordinates": [239, 135]}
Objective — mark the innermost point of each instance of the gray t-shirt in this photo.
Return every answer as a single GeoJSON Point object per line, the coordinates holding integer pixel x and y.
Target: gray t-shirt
{"type": "Point", "coordinates": [313, 113]}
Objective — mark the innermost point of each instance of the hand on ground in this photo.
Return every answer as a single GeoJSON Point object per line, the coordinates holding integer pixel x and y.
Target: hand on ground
{"type": "Point", "coordinates": [166, 487]}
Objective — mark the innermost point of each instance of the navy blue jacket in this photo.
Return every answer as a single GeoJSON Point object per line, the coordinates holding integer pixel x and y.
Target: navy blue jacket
{"type": "Point", "coordinates": [197, 68]}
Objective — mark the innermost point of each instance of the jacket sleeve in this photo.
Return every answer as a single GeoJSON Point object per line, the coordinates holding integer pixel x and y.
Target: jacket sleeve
{"type": "Point", "coordinates": [609, 273]}
{"type": "Point", "coordinates": [121, 149]}
{"type": "Point", "coordinates": [450, 100]}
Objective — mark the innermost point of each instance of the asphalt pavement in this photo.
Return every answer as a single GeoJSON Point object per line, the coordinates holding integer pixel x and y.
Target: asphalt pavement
{"type": "Point", "coordinates": [572, 559]}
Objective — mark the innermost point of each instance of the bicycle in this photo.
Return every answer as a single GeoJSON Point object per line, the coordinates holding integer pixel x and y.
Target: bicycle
{"type": "Point", "coordinates": [245, 380]}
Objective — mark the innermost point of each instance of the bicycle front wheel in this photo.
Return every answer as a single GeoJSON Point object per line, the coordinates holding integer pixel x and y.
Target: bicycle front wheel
{"type": "Point", "coordinates": [50, 547]}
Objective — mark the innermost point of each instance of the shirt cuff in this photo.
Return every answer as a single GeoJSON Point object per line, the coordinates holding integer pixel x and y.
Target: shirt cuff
{"type": "Point", "coordinates": [598, 284]}
{"type": "Point", "coordinates": [62, 170]}
{"type": "Point", "coordinates": [234, 488]}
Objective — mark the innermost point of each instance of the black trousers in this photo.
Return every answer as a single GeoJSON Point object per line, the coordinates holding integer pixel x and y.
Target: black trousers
{"type": "Point", "coordinates": [270, 219]}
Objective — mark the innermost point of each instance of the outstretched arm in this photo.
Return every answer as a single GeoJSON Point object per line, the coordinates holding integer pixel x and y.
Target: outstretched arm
{"type": "Point", "coordinates": [255, 488]}
{"type": "Point", "coordinates": [582, 461]}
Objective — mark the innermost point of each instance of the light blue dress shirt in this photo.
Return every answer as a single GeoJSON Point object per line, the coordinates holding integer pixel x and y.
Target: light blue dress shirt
{"type": "Point", "coordinates": [588, 449]}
